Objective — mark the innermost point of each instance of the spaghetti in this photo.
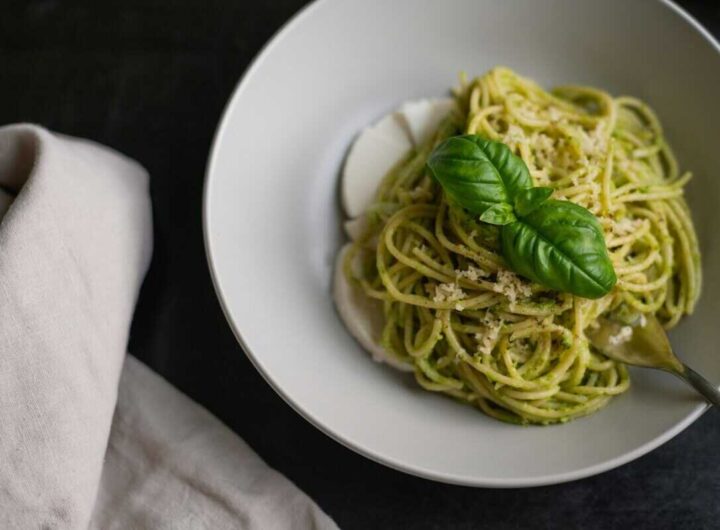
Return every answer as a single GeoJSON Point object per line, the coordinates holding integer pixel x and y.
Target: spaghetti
{"type": "Point", "coordinates": [474, 330]}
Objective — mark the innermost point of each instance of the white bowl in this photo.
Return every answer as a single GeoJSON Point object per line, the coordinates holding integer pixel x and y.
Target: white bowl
{"type": "Point", "coordinates": [272, 219]}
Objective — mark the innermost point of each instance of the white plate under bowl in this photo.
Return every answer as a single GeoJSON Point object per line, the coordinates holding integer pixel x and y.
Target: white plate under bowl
{"type": "Point", "coordinates": [272, 220]}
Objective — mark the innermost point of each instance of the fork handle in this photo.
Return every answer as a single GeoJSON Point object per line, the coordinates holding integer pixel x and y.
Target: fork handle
{"type": "Point", "coordinates": [699, 383]}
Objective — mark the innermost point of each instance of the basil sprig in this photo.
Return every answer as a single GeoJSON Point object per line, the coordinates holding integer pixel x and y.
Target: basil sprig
{"type": "Point", "coordinates": [557, 244]}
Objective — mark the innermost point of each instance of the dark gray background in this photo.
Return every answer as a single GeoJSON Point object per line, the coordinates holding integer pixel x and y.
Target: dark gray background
{"type": "Point", "coordinates": [150, 78]}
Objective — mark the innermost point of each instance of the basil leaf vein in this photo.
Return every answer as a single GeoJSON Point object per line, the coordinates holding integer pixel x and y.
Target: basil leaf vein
{"type": "Point", "coordinates": [528, 200]}
{"type": "Point", "coordinates": [560, 245]}
{"type": "Point", "coordinates": [478, 174]}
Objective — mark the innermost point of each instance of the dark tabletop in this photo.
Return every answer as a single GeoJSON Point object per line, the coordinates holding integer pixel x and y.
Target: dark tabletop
{"type": "Point", "coordinates": [151, 78]}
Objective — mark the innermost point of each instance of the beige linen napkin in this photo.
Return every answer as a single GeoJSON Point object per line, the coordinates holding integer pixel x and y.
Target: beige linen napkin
{"type": "Point", "coordinates": [75, 243]}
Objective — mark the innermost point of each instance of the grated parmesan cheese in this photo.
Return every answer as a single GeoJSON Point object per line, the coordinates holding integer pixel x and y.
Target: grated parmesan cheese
{"type": "Point", "coordinates": [509, 284]}
{"type": "Point", "coordinates": [514, 135]}
{"type": "Point", "coordinates": [544, 142]}
{"type": "Point", "coordinates": [626, 226]}
{"type": "Point", "coordinates": [448, 292]}
{"type": "Point", "coordinates": [521, 351]}
{"type": "Point", "coordinates": [472, 273]}
{"type": "Point", "coordinates": [488, 340]}
{"type": "Point", "coordinates": [554, 114]}
{"type": "Point", "coordinates": [622, 336]}
{"type": "Point", "coordinates": [593, 143]}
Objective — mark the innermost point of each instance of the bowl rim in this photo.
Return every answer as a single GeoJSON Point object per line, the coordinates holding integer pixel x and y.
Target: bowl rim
{"type": "Point", "coordinates": [415, 470]}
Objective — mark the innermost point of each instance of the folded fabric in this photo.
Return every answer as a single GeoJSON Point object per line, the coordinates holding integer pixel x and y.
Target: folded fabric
{"type": "Point", "coordinates": [75, 243]}
{"type": "Point", "coordinates": [171, 465]}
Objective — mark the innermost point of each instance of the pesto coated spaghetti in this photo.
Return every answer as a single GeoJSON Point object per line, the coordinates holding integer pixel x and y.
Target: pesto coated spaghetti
{"type": "Point", "coordinates": [474, 330]}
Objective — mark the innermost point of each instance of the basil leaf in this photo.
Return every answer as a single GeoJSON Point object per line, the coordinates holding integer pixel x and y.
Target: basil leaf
{"type": "Point", "coordinates": [555, 243]}
{"type": "Point", "coordinates": [560, 245]}
{"type": "Point", "coordinates": [498, 214]}
{"type": "Point", "coordinates": [528, 200]}
{"type": "Point", "coordinates": [477, 173]}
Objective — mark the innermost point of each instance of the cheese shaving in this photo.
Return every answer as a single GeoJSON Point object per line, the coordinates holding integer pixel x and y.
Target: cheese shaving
{"type": "Point", "coordinates": [487, 341]}
{"type": "Point", "coordinates": [448, 292]}
{"type": "Point", "coordinates": [622, 336]}
{"type": "Point", "coordinates": [472, 273]}
{"type": "Point", "coordinates": [509, 284]}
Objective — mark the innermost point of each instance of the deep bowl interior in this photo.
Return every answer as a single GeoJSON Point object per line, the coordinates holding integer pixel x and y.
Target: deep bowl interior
{"type": "Point", "coordinates": [273, 220]}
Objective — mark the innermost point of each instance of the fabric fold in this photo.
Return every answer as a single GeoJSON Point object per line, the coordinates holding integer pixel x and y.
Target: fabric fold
{"type": "Point", "coordinates": [171, 465]}
{"type": "Point", "coordinates": [75, 243]}
{"type": "Point", "coordinates": [74, 247]}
